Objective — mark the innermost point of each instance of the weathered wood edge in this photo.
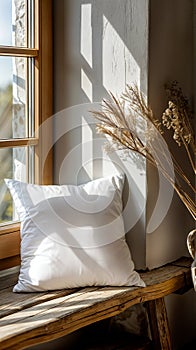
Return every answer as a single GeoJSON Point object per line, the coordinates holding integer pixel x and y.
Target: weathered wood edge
{"type": "Point", "coordinates": [97, 311]}
{"type": "Point", "coordinates": [25, 301]}
{"type": "Point", "coordinates": [159, 325]}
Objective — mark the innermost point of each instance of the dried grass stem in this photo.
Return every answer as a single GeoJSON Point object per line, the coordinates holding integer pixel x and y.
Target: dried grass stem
{"type": "Point", "coordinates": [119, 119]}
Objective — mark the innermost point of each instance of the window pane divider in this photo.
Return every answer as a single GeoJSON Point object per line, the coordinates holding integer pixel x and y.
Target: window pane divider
{"type": "Point", "coordinates": [18, 51]}
{"type": "Point", "coordinates": [32, 141]}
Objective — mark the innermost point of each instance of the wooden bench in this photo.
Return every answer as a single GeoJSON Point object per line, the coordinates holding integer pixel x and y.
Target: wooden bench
{"type": "Point", "coordinates": [33, 318]}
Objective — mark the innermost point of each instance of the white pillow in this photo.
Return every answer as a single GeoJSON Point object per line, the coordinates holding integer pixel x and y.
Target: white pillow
{"type": "Point", "coordinates": [72, 236]}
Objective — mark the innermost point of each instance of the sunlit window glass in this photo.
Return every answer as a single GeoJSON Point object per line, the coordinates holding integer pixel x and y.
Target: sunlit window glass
{"type": "Point", "coordinates": [13, 23]}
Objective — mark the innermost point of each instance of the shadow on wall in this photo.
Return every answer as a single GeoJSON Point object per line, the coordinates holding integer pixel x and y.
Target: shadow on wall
{"type": "Point", "coordinates": [103, 46]}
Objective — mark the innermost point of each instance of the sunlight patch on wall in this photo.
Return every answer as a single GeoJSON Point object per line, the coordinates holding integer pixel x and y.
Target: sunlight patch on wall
{"type": "Point", "coordinates": [119, 66]}
{"type": "Point", "coordinates": [86, 33]}
{"type": "Point", "coordinates": [87, 148]}
{"type": "Point", "coordinates": [86, 85]}
{"type": "Point", "coordinates": [110, 167]}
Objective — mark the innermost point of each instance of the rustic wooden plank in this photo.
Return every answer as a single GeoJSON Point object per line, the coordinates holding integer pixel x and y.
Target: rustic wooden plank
{"type": "Point", "coordinates": [159, 324]}
{"type": "Point", "coordinates": [8, 281]}
{"type": "Point", "coordinates": [46, 316]}
{"type": "Point", "coordinates": [182, 265]}
{"type": "Point", "coordinates": [183, 261]}
{"type": "Point", "coordinates": [11, 303]}
{"type": "Point", "coordinates": [165, 281]}
{"type": "Point", "coordinates": [62, 306]}
{"type": "Point", "coordinates": [9, 262]}
{"type": "Point", "coordinates": [44, 320]}
{"type": "Point", "coordinates": [163, 273]}
{"type": "Point", "coordinates": [55, 318]}
{"type": "Point", "coordinates": [9, 244]}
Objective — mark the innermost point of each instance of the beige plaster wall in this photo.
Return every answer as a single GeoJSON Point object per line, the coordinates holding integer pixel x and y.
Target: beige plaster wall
{"type": "Point", "coordinates": [99, 46]}
{"type": "Point", "coordinates": [170, 58]}
{"type": "Point", "coordinates": [167, 55]}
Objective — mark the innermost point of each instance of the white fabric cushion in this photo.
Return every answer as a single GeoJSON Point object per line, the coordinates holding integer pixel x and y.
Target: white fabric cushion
{"type": "Point", "coordinates": [72, 236]}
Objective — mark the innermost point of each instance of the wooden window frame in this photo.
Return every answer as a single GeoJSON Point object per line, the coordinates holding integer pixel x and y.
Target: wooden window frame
{"type": "Point", "coordinates": [42, 53]}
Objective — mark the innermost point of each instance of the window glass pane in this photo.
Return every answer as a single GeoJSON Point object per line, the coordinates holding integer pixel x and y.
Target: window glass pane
{"type": "Point", "coordinates": [14, 92]}
{"type": "Point", "coordinates": [13, 23]}
{"type": "Point", "coordinates": [13, 165]}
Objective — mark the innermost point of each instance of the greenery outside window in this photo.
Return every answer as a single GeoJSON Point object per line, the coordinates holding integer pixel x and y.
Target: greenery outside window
{"type": "Point", "coordinates": [25, 103]}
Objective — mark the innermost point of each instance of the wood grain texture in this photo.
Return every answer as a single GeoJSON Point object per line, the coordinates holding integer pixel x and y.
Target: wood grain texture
{"type": "Point", "coordinates": [9, 262]}
{"type": "Point", "coordinates": [159, 324]}
{"type": "Point", "coordinates": [9, 245]}
{"type": "Point", "coordinates": [32, 318]}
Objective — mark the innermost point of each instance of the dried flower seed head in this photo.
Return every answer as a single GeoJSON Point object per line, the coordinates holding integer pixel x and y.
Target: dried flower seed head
{"type": "Point", "coordinates": [166, 120]}
{"type": "Point", "coordinates": [188, 138]}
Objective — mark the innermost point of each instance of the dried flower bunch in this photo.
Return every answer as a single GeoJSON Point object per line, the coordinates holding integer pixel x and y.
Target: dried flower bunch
{"type": "Point", "coordinates": [178, 117]}
{"type": "Point", "coordinates": [130, 125]}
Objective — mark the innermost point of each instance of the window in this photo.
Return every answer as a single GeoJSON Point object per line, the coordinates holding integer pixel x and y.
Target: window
{"type": "Point", "coordinates": [25, 103]}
